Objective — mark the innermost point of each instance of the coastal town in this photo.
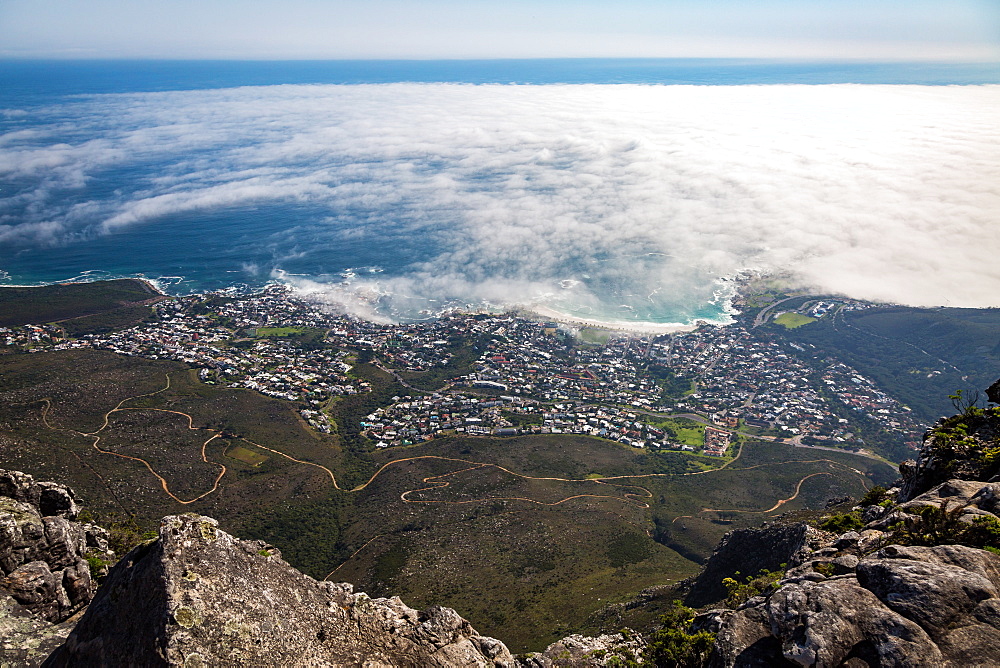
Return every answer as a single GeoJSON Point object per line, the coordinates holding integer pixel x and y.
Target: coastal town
{"type": "Point", "coordinates": [508, 374]}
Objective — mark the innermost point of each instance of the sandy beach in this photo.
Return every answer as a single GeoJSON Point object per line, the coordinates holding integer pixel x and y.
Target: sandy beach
{"type": "Point", "coordinates": [623, 327]}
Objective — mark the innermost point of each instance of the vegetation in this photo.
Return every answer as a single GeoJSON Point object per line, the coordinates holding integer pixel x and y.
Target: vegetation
{"type": "Point", "coordinates": [957, 442]}
{"type": "Point", "coordinates": [792, 320]}
{"type": "Point", "coordinates": [79, 307]}
{"type": "Point", "coordinates": [673, 645]}
{"type": "Point", "coordinates": [96, 566]}
{"type": "Point", "coordinates": [739, 592]}
{"type": "Point", "coordinates": [674, 386]}
{"type": "Point", "coordinates": [875, 496]}
{"type": "Point", "coordinates": [464, 354]}
{"type": "Point", "coordinates": [920, 355]}
{"type": "Point", "coordinates": [940, 525]}
{"type": "Point", "coordinates": [842, 523]}
{"type": "Point", "coordinates": [531, 550]}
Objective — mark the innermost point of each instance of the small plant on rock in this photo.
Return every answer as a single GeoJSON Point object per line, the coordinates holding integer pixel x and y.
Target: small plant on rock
{"type": "Point", "coordinates": [842, 523]}
{"type": "Point", "coordinates": [940, 525]}
{"type": "Point", "coordinates": [738, 592]}
{"type": "Point", "coordinates": [674, 646]}
{"type": "Point", "coordinates": [875, 496]}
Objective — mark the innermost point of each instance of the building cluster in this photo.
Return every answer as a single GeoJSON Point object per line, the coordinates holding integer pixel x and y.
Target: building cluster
{"type": "Point", "coordinates": [410, 419]}
{"type": "Point", "coordinates": [529, 377]}
{"type": "Point", "coordinates": [216, 335]}
{"type": "Point", "coordinates": [30, 337]}
{"type": "Point", "coordinates": [530, 359]}
{"type": "Point", "coordinates": [738, 375]}
{"type": "Point", "coordinates": [861, 395]}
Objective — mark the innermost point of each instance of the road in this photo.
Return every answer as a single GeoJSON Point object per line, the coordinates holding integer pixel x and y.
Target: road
{"type": "Point", "coordinates": [762, 316]}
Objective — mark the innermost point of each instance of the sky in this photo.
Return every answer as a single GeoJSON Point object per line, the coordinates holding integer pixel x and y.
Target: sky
{"type": "Point", "coordinates": [956, 30]}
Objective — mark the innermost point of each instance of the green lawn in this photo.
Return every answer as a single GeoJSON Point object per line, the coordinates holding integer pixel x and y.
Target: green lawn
{"type": "Point", "coordinates": [594, 335]}
{"type": "Point", "coordinates": [278, 332]}
{"type": "Point", "coordinates": [793, 320]}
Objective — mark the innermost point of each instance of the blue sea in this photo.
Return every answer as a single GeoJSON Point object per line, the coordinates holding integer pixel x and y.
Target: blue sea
{"type": "Point", "coordinates": [616, 190]}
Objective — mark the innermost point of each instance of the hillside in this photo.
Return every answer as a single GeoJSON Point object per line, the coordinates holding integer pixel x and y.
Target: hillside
{"type": "Point", "coordinates": [910, 577]}
{"type": "Point", "coordinates": [919, 355]}
{"type": "Point", "coordinates": [79, 308]}
{"type": "Point", "coordinates": [534, 537]}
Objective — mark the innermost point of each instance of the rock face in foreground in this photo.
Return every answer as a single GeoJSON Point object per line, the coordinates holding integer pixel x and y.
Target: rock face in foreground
{"type": "Point", "coordinates": [200, 597]}
{"type": "Point", "coordinates": [902, 606]}
{"type": "Point", "coordinates": [861, 599]}
{"type": "Point", "coordinates": [44, 573]}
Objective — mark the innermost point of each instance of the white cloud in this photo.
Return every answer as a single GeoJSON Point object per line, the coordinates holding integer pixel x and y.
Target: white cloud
{"type": "Point", "coordinates": [499, 192]}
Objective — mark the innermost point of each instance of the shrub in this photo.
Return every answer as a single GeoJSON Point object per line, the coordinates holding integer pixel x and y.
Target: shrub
{"type": "Point", "coordinates": [824, 568]}
{"type": "Point", "coordinates": [938, 525]}
{"type": "Point", "coordinates": [738, 592]}
{"type": "Point", "coordinates": [842, 523]}
{"type": "Point", "coordinates": [674, 646]}
{"type": "Point", "coordinates": [97, 566]}
{"type": "Point", "coordinates": [875, 496]}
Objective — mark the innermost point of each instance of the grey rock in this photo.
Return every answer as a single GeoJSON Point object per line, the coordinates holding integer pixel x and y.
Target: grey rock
{"type": "Point", "coordinates": [49, 497]}
{"type": "Point", "coordinates": [847, 540]}
{"type": "Point", "coordinates": [199, 595]}
{"type": "Point", "coordinates": [987, 498]}
{"type": "Point", "coordinates": [873, 513]}
{"type": "Point", "coordinates": [25, 639]}
{"type": "Point", "coordinates": [845, 564]}
{"type": "Point", "coordinates": [993, 392]}
{"type": "Point", "coordinates": [970, 559]}
{"type": "Point", "coordinates": [935, 596]}
{"type": "Point", "coordinates": [903, 606]}
{"type": "Point", "coordinates": [744, 639]}
{"type": "Point", "coordinates": [955, 492]}
{"type": "Point", "coordinates": [580, 651]}
{"type": "Point", "coordinates": [43, 552]}
{"type": "Point", "coordinates": [748, 551]}
{"type": "Point", "coordinates": [823, 624]}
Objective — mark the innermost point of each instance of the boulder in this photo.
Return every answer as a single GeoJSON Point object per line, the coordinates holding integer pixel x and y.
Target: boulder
{"type": "Point", "coordinates": [198, 596]}
{"type": "Point", "coordinates": [26, 639]}
{"type": "Point", "coordinates": [749, 551]}
{"type": "Point", "coordinates": [43, 551]}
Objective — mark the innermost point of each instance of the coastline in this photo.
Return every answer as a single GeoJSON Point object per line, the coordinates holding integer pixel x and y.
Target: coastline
{"type": "Point", "coordinates": [530, 311]}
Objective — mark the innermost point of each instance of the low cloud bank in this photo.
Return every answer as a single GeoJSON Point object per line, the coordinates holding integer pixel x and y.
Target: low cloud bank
{"type": "Point", "coordinates": [626, 200]}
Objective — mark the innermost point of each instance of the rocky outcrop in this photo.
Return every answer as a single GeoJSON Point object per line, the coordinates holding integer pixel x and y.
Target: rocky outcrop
{"type": "Point", "coordinates": [902, 606]}
{"type": "Point", "coordinates": [749, 551]}
{"type": "Point", "coordinates": [25, 639]}
{"type": "Point", "coordinates": [859, 599]}
{"type": "Point", "coordinates": [954, 449]}
{"type": "Point", "coordinates": [45, 578]}
{"type": "Point", "coordinates": [43, 552]}
{"type": "Point", "coordinates": [197, 596]}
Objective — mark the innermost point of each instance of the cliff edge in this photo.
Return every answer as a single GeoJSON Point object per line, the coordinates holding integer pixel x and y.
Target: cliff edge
{"type": "Point", "coordinates": [197, 596]}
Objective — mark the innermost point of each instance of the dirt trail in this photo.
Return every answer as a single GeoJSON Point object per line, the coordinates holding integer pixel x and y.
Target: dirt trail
{"type": "Point", "coordinates": [629, 494]}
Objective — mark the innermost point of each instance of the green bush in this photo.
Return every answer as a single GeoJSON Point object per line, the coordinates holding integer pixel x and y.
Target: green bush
{"type": "Point", "coordinates": [842, 523]}
{"type": "Point", "coordinates": [933, 525]}
{"type": "Point", "coordinates": [96, 565]}
{"type": "Point", "coordinates": [674, 646]}
{"type": "Point", "coordinates": [738, 592]}
{"type": "Point", "coordinates": [875, 496]}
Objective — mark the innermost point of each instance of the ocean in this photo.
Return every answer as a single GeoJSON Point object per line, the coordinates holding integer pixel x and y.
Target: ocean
{"type": "Point", "coordinates": [626, 191]}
